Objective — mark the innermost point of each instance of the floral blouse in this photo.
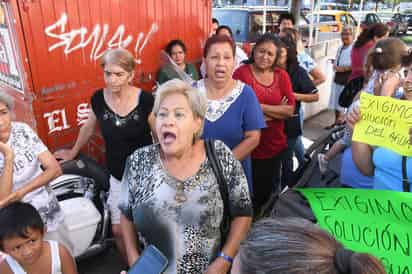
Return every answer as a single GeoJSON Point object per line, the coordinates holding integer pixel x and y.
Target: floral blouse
{"type": "Point", "coordinates": [187, 232]}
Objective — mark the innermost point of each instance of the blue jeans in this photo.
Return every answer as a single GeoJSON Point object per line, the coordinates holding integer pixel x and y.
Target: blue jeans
{"type": "Point", "coordinates": [299, 150]}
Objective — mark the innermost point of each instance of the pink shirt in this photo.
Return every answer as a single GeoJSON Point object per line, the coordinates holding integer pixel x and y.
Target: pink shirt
{"type": "Point", "coordinates": [358, 56]}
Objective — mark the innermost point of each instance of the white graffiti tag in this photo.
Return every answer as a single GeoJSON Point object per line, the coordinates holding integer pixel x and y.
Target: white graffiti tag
{"type": "Point", "coordinates": [98, 38]}
{"type": "Point", "coordinates": [56, 120]}
{"type": "Point", "coordinates": [83, 111]}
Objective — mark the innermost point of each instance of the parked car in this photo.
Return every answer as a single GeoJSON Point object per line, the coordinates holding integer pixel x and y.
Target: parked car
{"type": "Point", "coordinates": [247, 22]}
{"type": "Point", "coordinates": [369, 19]}
{"type": "Point", "coordinates": [408, 18]}
{"type": "Point", "coordinates": [398, 24]}
{"type": "Point", "coordinates": [332, 20]}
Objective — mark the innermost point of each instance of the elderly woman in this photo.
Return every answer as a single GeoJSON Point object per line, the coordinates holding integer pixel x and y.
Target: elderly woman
{"type": "Point", "coordinates": [295, 246]}
{"type": "Point", "coordinates": [27, 166]}
{"type": "Point", "coordinates": [343, 69]}
{"type": "Point", "coordinates": [240, 55]}
{"type": "Point", "coordinates": [179, 210]}
{"type": "Point", "coordinates": [234, 115]}
{"type": "Point", "coordinates": [122, 112]}
{"type": "Point", "coordinates": [273, 89]}
{"type": "Point", "coordinates": [176, 49]}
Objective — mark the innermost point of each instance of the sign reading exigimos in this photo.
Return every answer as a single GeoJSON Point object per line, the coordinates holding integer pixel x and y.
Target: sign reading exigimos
{"type": "Point", "coordinates": [384, 122]}
{"type": "Point", "coordinates": [377, 222]}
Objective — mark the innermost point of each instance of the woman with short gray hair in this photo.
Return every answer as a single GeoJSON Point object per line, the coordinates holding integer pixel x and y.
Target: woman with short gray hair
{"type": "Point", "coordinates": [296, 246]}
{"type": "Point", "coordinates": [172, 194]}
{"type": "Point", "coordinates": [26, 169]}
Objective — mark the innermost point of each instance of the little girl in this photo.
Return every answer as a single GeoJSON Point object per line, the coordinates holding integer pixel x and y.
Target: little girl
{"type": "Point", "coordinates": [21, 239]}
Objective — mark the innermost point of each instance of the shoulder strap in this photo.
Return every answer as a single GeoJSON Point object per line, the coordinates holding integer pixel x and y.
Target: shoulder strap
{"type": "Point", "coordinates": [55, 257]}
{"type": "Point", "coordinates": [217, 170]}
{"type": "Point", "coordinates": [405, 181]}
{"type": "Point", "coordinates": [340, 53]}
{"type": "Point", "coordinates": [14, 265]}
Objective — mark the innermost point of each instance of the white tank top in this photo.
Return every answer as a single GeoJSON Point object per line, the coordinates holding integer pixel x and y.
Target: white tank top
{"type": "Point", "coordinates": [55, 263]}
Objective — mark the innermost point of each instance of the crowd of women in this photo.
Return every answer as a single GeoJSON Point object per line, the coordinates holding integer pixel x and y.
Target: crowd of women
{"type": "Point", "coordinates": [191, 166]}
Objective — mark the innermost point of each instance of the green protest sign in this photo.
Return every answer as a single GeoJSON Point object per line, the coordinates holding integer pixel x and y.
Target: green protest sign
{"type": "Point", "coordinates": [378, 222]}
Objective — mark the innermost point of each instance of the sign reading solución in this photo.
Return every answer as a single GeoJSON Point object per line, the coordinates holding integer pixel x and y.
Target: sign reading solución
{"type": "Point", "coordinates": [384, 122]}
{"type": "Point", "coordinates": [378, 222]}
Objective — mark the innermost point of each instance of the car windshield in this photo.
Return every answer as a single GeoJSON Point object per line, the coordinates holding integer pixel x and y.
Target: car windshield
{"type": "Point", "coordinates": [322, 18]}
{"type": "Point", "coordinates": [237, 20]}
{"type": "Point", "coordinates": [385, 17]}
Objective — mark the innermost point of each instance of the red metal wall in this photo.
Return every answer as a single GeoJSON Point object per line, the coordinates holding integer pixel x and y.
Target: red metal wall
{"type": "Point", "coordinates": [61, 41]}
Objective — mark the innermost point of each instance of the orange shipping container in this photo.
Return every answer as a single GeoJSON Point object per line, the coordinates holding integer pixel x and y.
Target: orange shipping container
{"type": "Point", "coordinates": [50, 50]}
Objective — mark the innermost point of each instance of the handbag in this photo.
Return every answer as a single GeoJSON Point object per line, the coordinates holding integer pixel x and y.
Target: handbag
{"type": "Point", "coordinates": [217, 170]}
{"type": "Point", "coordinates": [405, 182]}
{"type": "Point", "coordinates": [350, 90]}
{"type": "Point", "coordinates": [341, 78]}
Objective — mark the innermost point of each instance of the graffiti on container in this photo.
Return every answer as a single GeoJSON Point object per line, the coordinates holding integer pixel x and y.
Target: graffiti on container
{"type": "Point", "coordinates": [83, 111]}
{"type": "Point", "coordinates": [57, 119]}
{"type": "Point", "coordinates": [99, 38]}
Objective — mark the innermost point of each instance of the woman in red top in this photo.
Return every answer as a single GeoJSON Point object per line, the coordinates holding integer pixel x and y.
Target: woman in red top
{"type": "Point", "coordinates": [366, 40]}
{"type": "Point", "coordinates": [273, 89]}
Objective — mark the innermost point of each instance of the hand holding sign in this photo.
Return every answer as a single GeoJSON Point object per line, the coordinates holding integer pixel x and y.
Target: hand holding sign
{"type": "Point", "coordinates": [385, 122]}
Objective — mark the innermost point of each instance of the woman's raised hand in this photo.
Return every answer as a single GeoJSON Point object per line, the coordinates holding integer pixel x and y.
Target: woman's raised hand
{"type": "Point", "coordinates": [410, 136]}
{"type": "Point", "coordinates": [353, 117]}
{"type": "Point", "coordinates": [6, 150]}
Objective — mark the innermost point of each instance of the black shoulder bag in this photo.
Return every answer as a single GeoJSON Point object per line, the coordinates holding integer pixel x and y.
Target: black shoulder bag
{"type": "Point", "coordinates": [405, 181]}
{"type": "Point", "coordinates": [341, 78]}
{"type": "Point", "coordinates": [217, 170]}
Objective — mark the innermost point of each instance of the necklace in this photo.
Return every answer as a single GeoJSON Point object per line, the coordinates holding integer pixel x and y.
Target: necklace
{"type": "Point", "coordinates": [179, 185]}
{"type": "Point", "coordinates": [180, 195]}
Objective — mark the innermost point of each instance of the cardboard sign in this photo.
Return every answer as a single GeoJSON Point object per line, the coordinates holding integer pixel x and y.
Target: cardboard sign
{"type": "Point", "coordinates": [384, 122]}
{"type": "Point", "coordinates": [377, 222]}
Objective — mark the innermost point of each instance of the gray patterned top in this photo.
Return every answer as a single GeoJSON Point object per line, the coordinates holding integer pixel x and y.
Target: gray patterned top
{"type": "Point", "coordinates": [188, 232]}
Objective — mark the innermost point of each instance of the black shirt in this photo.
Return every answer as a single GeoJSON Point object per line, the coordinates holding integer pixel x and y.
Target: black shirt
{"type": "Point", "coordinates": [122, 134]}
{"type": "Point", "coordinates": [301, 83]}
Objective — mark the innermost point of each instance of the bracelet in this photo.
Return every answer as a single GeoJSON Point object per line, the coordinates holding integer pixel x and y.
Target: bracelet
{"type": "Point", "coordinates": [227, 258]}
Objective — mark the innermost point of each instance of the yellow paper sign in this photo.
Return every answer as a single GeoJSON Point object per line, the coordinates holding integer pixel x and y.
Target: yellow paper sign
{"type": "Point", "coordinates": [384, 122]}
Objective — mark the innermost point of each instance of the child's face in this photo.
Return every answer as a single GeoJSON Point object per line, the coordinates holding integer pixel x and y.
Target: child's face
{"type": "Point", "coordinates": [25, 251]}
{"type": "Point", "coordinates": [407, 84]}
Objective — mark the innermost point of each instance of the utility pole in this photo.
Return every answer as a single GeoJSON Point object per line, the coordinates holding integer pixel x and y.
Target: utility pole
{"type": "Point", "coordinates": [264, 15]}
{"type": "Point", "coordinates": [295, 9]}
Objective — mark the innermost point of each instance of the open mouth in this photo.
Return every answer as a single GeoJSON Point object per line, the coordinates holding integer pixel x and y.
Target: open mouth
{"type": "Point", "coordinates": [168, 137]}
{"type": "Point", "coordinates": [220, 73]}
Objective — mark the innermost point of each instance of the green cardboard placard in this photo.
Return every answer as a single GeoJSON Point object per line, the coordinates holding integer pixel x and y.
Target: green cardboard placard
{"type": "Point", "coordinates": [378, 222]}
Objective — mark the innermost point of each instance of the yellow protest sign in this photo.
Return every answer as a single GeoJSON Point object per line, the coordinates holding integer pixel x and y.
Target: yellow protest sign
{"type": "Point", "coordinates": [384, 122]}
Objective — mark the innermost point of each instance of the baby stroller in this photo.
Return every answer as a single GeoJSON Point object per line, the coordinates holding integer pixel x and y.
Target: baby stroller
{"type": "Point", "coordinates": [308, 174]}
{"type": "Point", "coordinates": [289, 202]}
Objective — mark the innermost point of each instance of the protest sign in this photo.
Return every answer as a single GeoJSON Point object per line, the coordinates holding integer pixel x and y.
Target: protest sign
{"type": "Point", "coordinates": [384, 122]}
{"type": "Point", "coordinates": [377, 222]}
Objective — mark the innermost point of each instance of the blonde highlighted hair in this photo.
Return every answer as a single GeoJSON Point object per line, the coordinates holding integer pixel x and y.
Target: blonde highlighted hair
{"type": "Point", "coordinates": [120, 57]}
{"type": "Point", "coordinates": [197, 100]}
